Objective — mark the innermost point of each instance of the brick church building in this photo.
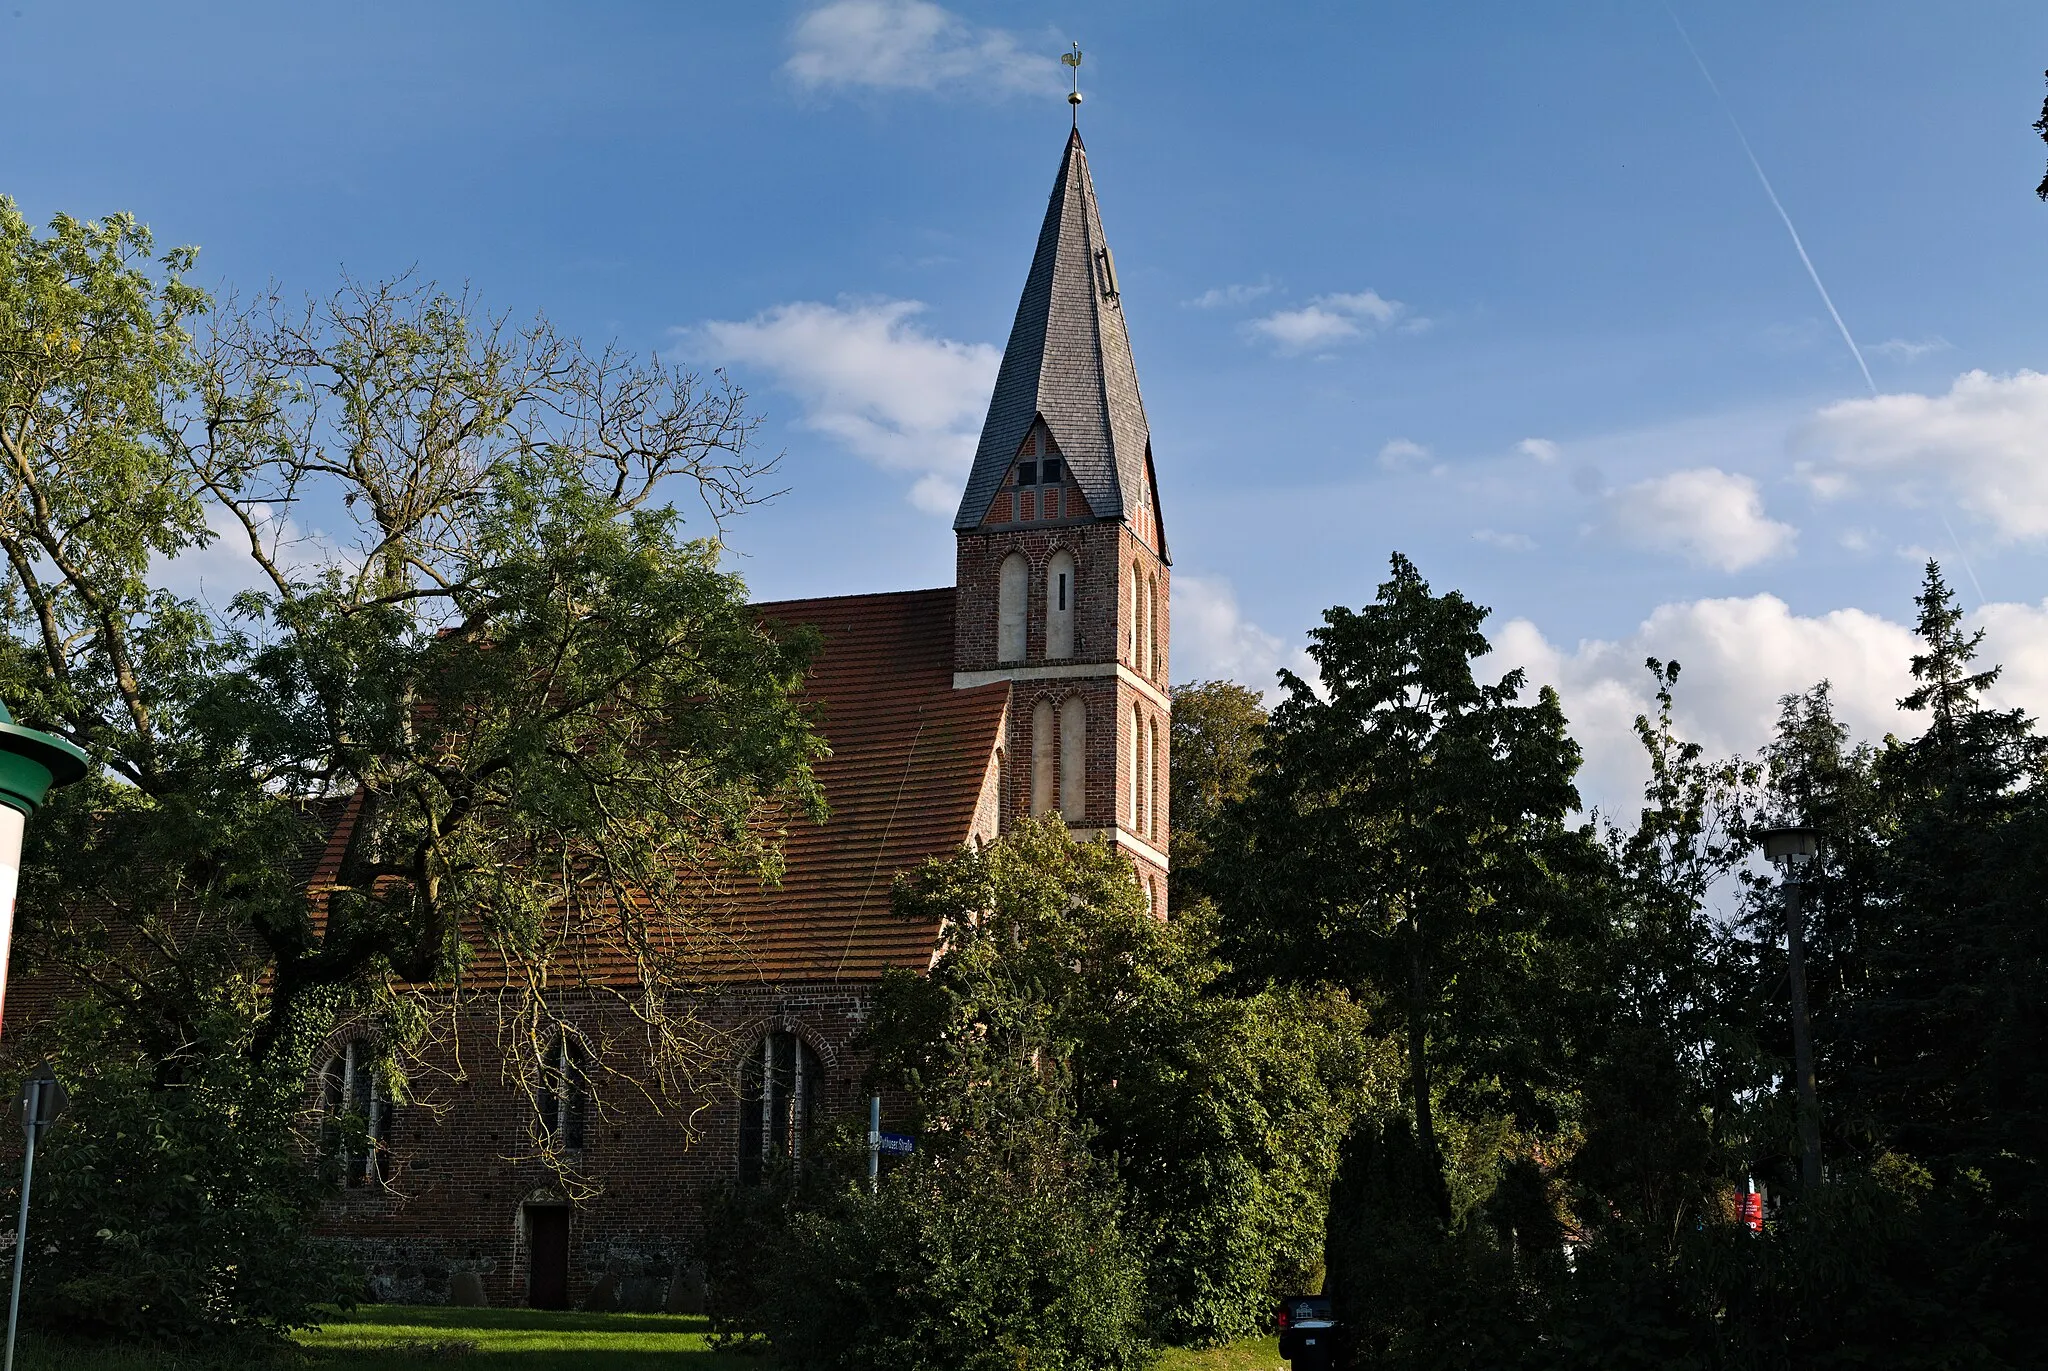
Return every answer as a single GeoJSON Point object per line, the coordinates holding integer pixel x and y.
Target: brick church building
{"type": "Point", "coordinates": [1035, 684]}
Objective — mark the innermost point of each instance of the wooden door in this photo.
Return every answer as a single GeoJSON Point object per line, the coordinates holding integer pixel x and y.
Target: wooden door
{"type": "Point", "coordinates": [547, 1268]}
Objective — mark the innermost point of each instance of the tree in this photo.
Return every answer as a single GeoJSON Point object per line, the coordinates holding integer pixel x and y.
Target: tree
{"type": "Point", "coordinates": [467, 625]}
{"type": "Point", "coordinates": [1215, 741]}
{"type": "Point", "coordinates": [2041, 127]}
{"type": "Point", "coordinates": [1406, 838]}
{"type": "Point", "coordinates": [1218, 1115]}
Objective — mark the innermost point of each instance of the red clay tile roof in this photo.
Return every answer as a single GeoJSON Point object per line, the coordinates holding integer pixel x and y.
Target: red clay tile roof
{"type": "Point", "coordinates": [910, 755]}
{"type": "Point", "coordinates": [909, 758]}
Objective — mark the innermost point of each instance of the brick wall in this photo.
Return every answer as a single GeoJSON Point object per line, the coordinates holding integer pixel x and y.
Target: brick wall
{"type": "Point", "coordinates": [462, 1165]}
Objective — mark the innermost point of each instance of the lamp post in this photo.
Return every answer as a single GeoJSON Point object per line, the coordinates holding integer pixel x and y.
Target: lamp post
{"type": "Point", "coordinates": [1792, 849]}
{"type": "Point", "coordinates": [32, 763]}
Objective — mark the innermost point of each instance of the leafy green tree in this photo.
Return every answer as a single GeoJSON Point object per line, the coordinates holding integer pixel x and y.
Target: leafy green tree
{"type": "Point", "coordinates": [467, 625]}
{"type": "Point", "coordinates": [996, 1247]}
{"type": "Point", "coordinates": [1406, 837]}
{"type": "Point", "coordinates": [1220, 1114]}
{"type": "Point", "coordinates": [1215, 741]}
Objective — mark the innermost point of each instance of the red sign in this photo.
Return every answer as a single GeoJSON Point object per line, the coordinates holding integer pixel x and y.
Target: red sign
{"type": "Point", "coordinates": [1753, 1212]}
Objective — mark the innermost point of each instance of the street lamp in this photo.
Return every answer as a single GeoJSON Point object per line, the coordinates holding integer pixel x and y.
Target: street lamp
{"type": "Point", "coordinates": [1792, 850]}
{"type": "Point", "coordinates": [32, 763]}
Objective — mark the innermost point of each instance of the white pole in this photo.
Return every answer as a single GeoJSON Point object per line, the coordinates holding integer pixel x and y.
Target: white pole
{"type": "Point", "coordinates": [874, 1149]}
{"type": "Point", "coordinates": [28, 1168]}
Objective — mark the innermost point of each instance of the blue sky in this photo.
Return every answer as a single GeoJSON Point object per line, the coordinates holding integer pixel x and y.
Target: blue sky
{"type": "Point", "coordinates": [1492, 284]}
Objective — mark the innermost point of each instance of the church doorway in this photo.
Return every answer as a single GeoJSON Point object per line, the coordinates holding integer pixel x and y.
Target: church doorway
{"type": "Point", "coordinates": [547, 1256]}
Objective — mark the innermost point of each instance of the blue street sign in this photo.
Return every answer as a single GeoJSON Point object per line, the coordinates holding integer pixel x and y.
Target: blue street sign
{"type": "Point", "coordinates": [898, 1144]}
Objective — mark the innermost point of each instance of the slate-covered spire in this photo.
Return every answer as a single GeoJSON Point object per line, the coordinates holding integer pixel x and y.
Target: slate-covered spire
{"type": "Point", "coordinates": [1069, 363]}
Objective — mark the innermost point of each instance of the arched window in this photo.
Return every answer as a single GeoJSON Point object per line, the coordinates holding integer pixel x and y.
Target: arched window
{"type": "Point", "coordinates": [1011, 587]}
{"type": "Point", "coordinates": [1137, 771]}
{"type": "Point", "coordinates": [1074, 759]}
{"type": "Point", "coordinates": [1060, 587]}
{"type": "Point", "coordinates": [563, 1100]}
{"type": "Point", "coordinates": [356, 1114]}
{"type": "Point", "coordinates": [1152, 780]}
{"type": "Point", "coordinates": [1154, 665]}
{"type": "Point", "coordinates": [1043, 743]}
{"type": "Point", "coordinates": [782, 1086]}
{"type": "Point", "coordinates": [1137, 618]}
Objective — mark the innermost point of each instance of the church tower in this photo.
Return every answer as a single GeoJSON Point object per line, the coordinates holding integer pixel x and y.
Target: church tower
{"type": "Point", "coordinates": [1062, 585]}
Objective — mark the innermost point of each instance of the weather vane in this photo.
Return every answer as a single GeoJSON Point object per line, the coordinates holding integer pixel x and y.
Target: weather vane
{"type": "Point", "coordinates": [1073, 61]}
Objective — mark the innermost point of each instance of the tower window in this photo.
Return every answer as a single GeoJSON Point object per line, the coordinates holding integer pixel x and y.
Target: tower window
{"type": "Point", "coordinates": [1043, 742]}
{"type": "Point", "coordinates": [1074, 759]}
{"type": "Point", "coordinates": [1059, 605]}
{"type": "Point", "coordinates": [1012, 586]}
{"type": "Point", "coordinates": [1050, 470]}
{"type": "Point", "coordinates": [1027, 473]}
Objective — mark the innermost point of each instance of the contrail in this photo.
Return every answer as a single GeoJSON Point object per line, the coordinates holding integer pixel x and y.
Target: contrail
{"type": "Point", "coordinates": [1811, 272]}
{"type": "Point", "coordinates": [1758, 167]}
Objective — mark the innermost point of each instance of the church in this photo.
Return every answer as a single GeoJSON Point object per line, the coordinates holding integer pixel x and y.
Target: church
{"type": "Point", "coordinates": [1035, 684]}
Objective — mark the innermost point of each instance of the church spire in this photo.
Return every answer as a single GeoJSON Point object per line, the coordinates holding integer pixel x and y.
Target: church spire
{"type": "Point", "coordinates": [1069, 363]}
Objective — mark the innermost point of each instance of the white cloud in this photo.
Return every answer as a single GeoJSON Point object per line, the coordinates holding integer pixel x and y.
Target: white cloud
{"type": "Point", "coordinates": [912, 45]}
{"type": "Point", "coordinates": [868, 377]}
{"type": "Point", "coordinates": [1217, 296]}
{"type": "Point", "coordinates": [1328, 319]}
{"type": "Point", "coordinates": [1740, 657]}
{"type": "Point", "coordinates": [1541, 449]}
{"type": "Point", "coordinates": [1402, 454]}
{"type": "Point", "coordinates": [1906, 350]}
{"type": "Point", "coordinates": [1212, 640]}
{"type": "Point", "coordinates": [1708, 516]}
{"type": "Point", "coordinates": [1506, 542]}
{"type": "Point", "coordinates": [1986, 441]}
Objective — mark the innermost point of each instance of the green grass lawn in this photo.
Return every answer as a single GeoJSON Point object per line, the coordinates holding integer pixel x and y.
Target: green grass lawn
{"type": "Point", "coordinates": [418, 1338]}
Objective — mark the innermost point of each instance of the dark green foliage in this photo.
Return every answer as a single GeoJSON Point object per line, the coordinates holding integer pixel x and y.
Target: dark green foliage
{"type": "Point", "coordinates": [1218, 1113]}
{"type": "Point", "coordinates": [477, 621]}
{"type": "Point", "coordinates": [2041, 127]}
{"type": "Point", "coordinates": [1216, 727]}
{"type": "Point", "coordinates": [997, 1248]}
{"type": "Point", "coordinates": [1405, 838]}
{"type": "Point", "coordinates": [174, 1194]}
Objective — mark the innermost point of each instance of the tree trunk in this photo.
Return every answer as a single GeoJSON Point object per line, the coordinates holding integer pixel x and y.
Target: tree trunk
{"type": "Point", "coordinates": [1418, 1084]}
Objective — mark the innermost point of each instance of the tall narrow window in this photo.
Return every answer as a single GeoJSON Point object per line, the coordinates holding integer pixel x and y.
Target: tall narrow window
{"type": "Point", "coordinates": [1059, 605]}
{"type": "Point", "coordinates": [1137, 771]}
{"type": "Point", "coordinates": [564, 1095]}
{"type": "Point", "coordinates": [1152, 780]}
{"type": "Point", "coordinates": [356, 1114]}
{"type": "Point", "coordinates": [1042, 755]}
{"type": "Point", "coordinates": [1012, 587]}
{"type": "Point", "coordinates": [1137, 618]}
{"type": "Point", "coordinates": [1152, 626]}
{"type": "Point", "coordinates": [782, 1088]}
{"type": "Point", "coordinates": [1074, 759]}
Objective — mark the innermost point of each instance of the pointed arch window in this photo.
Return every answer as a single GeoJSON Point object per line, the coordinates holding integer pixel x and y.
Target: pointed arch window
{"type": "Point", "coordinates": [1153, 658]}
{"type": "Point", "coordinates": [1137, 770]}
{"type": "Point", "coordinates": [1043, 743]}
{"type": "Point", "coordinates": [782, 1087]}
{"type": "Point", "coordinates": [356, 1112]}
{"type": "Point", "coordinates": [562, 1102]}
{"type": "Point", "coordinates": [1153, 782]}
{"type": "Point", "coordinates": [1074, 759]}
{"type": "Point", "coordinates": [1012, 585]}
{"type": "Point", "coordinates": [1060, 588]}
{"type": "Point", "coordinates": [1137, 618]}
